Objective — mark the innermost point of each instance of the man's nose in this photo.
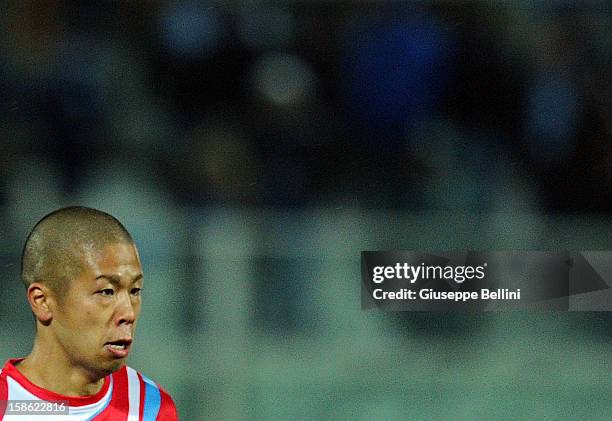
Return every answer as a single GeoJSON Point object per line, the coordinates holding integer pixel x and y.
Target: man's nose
{"type": "Point", "coordinates": [125, 313]}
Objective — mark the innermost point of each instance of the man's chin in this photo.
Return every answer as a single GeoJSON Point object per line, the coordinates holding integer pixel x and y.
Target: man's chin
{"type": "Point", "coordinates": [116, 364]}
{"type": "Point", "coordinates": [108, 367]}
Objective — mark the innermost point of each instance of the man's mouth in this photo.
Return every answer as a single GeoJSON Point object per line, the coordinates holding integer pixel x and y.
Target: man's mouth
{"type": "Point", "coordinates": [119, 348]}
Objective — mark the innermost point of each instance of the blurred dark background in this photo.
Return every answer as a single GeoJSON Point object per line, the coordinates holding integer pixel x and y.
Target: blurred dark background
{"type": "Point", "coordinates": [255, 148]}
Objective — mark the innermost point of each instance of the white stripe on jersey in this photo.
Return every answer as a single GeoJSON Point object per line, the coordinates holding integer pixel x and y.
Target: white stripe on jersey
{"type": "Point", "coordinates": [77, 413]}
{"type": "Point", "coordinates": [133, 394]}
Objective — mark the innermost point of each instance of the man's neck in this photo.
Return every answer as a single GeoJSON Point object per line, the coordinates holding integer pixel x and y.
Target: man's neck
{"type": "Point", "coordinates": [58, 375]}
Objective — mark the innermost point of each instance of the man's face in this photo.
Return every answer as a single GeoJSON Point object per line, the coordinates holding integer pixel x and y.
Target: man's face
{"type": "Point", "coordinates": [95, 321]}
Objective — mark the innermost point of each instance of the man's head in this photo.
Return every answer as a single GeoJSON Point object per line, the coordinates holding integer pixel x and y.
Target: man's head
{"type": "Point", "coordinates": [83, 278]}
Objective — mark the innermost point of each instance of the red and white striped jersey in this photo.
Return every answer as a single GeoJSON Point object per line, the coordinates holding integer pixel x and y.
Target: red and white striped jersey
{"type": "Point", "coordinates": [125, 395]}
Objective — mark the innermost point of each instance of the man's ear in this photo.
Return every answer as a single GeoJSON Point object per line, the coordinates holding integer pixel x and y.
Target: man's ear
{"type": "Point", "coordinates": [40, 299]}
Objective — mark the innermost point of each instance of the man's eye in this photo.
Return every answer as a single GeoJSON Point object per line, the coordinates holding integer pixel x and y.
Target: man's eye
{"type": "Point", "coordinates": [136, 291]}
{"type": "Point", "coordinates": [107, 291]}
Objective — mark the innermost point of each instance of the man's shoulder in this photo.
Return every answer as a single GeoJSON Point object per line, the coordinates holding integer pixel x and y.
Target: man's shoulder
{"type": "Point", "coordinates": [155, 399]}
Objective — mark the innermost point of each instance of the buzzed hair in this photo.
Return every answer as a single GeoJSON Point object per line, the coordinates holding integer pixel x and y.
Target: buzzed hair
{"type": "Point", "coordinates": [53, 251]}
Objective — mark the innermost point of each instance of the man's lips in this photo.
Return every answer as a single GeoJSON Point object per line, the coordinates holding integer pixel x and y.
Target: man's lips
{"type": "Point", "coordinates": [119, 348]}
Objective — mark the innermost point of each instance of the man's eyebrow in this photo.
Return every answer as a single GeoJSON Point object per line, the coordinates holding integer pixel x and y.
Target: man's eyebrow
{"type": "Point", "coordinates": [113, 279]}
